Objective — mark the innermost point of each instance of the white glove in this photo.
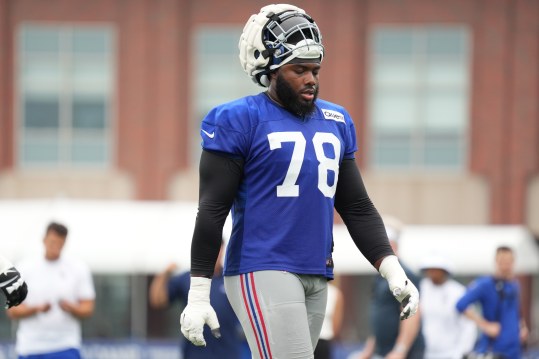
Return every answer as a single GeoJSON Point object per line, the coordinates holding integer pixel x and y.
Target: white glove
{"type": "Point", "coordinates": [199, 312]}
{"type": "Point", "coordinates": [400, 286]}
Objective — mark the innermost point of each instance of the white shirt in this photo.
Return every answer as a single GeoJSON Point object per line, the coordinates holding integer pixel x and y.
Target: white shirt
{"type": "Point", "coordinates": [49, 282]}
{"type": "Point", "coordinates": [448, 334]}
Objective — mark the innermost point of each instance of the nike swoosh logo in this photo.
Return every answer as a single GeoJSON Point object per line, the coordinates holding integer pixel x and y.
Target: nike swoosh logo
{"type": "Point", "coordinates": [4, 284]}
{"type": "Point", "coordinates": [210, 135]}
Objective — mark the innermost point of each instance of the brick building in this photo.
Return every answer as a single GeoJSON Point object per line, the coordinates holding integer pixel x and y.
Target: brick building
{"type": "Point", "coordinates": [444, 96]}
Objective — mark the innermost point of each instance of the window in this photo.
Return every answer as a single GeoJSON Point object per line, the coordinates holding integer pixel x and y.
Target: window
{"type": "Point", "coordinates": [65, 87]}
{"type": "Point", "coordinates": [218, 75]}
{"type": "Point", "coordinates": [419, 97]}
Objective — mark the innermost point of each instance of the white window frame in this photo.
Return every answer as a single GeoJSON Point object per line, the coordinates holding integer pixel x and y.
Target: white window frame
{"type": "Point", "coordinates": [418, 134]}
{"type": "Point", "coordinates": [110, 129]}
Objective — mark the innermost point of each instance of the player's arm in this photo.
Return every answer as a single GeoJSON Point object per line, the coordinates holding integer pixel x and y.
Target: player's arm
{"type": "Point", "coordinates": [359, 214]}
{"type": "Point", "coordinates": [12, 285]}
{"type": "Point", "coordinates": [220, 177]}
{"type": "Point", "coordinates": [368, 232]}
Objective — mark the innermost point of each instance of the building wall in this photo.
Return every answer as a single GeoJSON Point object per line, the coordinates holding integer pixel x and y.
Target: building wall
{"type": "Point", "coordinates": [151, 98]}
{"type": "Point", "coordinates": [154, 102]}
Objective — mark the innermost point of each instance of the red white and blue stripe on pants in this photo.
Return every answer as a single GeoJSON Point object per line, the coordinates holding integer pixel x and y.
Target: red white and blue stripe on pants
{"type": "Point", "coordinates": [256, 317]}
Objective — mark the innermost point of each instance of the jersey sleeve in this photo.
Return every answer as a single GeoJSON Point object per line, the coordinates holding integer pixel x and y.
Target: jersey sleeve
{"type": "Point", "coordinates": [359, 214]}
{"type": "Point", "coordinates": [226, 128]}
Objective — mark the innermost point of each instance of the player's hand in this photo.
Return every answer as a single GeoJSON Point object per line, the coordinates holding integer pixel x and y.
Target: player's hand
{"type": "Point", "coordinates": [400, 286]}
{"type": "Point", "coordinates": [408, 296]}
{"type": "Point", "coordinates": [199, 312]}
{"type": "Point", "coordinates": [13, 287]}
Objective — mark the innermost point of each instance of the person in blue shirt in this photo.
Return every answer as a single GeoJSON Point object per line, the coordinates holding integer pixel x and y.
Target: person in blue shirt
{"type": "Point", "coordinates": [502, 329]}
{"type": "Point", "coordinates": [167, 288]}
{"type": "Point", "coordinates": [281, 161]}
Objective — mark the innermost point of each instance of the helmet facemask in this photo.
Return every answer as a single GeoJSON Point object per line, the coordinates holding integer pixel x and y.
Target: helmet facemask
{"type": "Point", "coordinates": [292, 35]}
{"type": "Point", "coordinates": [279, 34]}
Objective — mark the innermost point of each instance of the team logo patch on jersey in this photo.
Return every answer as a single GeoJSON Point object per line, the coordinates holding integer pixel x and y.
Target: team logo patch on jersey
{"type": "Point", "coordinates": [333, 115]}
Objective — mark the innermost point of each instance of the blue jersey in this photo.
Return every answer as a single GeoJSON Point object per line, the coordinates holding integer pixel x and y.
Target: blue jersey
{"type": "Point", "coordinates": [282, 214]}
{"type": "Point", "coordinates": [500, 302]}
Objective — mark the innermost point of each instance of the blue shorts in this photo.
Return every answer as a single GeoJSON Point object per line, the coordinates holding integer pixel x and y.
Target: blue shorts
{"type": "Point", "coordinates": [64, 354]}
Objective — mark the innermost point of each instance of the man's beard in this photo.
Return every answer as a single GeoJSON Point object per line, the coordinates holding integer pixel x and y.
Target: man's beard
{"type": "Point", "coordinates": [291, 100]}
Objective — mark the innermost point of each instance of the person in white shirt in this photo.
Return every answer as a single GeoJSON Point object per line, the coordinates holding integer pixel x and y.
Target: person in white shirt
{"type": "Point", "coordinates": [62, 293]}
{"type": "Point", "coordinates": [448, 334]}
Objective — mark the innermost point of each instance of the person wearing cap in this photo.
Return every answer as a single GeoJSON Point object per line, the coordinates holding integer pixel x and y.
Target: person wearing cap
{"type": "Point", "coordinates": [281, 161]}
{"type": "Point", "coordinates": [391, 338]}
{"type": "Point", "coordinates": [448, 334]}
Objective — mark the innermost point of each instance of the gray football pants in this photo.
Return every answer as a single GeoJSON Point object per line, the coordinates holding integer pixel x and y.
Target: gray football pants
{"type": "Point", "coordinates": [281, 313]}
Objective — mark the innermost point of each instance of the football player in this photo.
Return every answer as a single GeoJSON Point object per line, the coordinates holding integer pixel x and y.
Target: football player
{"type": "Point", "coordinates": [282, 161]}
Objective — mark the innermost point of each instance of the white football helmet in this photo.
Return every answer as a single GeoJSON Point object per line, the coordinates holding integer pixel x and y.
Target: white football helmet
{"type": "Point", "coordinates": [275, 36]}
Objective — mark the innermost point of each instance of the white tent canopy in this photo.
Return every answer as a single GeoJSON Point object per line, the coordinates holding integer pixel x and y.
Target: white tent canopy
{"type": "Point", "coordinates": [111, 236]}
{"type": "Point", "coordinates": [145, 236]}
{"type": "Point", "coordinates": [470, 249]}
